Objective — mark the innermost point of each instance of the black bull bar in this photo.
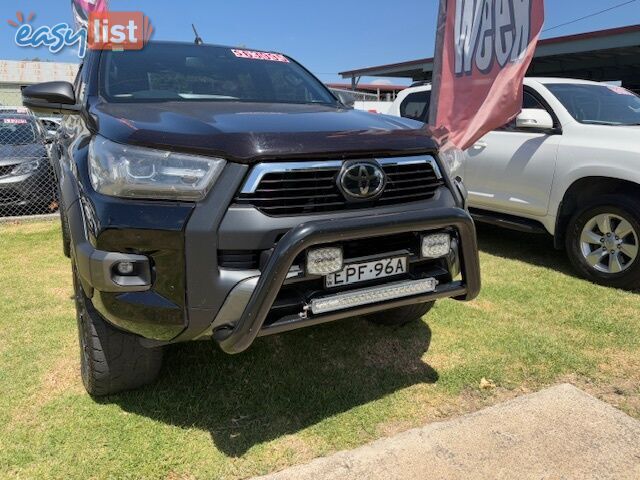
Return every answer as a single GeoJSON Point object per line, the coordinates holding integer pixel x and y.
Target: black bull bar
{"type": "Point", "coordinates": [238, 337]}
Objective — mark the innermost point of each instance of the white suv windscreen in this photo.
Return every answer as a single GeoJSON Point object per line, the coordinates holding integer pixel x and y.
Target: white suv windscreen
{"type": "Point", "coordinates": [598, 104]}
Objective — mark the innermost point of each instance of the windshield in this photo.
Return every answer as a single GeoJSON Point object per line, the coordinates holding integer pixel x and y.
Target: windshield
{"type": "Point", "coordinates": [17, 131]}
{"type": "Point", "coordinates": [182, 72]}
{"type": "Point", "coordinates": [598, 104]}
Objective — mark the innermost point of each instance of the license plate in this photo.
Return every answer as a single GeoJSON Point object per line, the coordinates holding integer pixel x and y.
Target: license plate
{"type": "Point", "coordinates": [361, 272]}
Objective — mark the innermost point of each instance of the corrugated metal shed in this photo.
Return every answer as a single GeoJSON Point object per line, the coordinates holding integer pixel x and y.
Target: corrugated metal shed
{"type": "Point", "coordinates": [603, 55]}
{"type": "Point", "coordinates": [28, 72]}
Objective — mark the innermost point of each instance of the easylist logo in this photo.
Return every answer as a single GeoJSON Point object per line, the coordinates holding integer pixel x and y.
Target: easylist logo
{"type": "Point", "coordinates": [489, 32]}
{"type": "Point", "coordinates": [118, 30]}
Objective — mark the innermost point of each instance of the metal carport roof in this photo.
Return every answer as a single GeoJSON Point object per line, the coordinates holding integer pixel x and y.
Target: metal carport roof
{"type": "Point", "coordinates": [604, 55]}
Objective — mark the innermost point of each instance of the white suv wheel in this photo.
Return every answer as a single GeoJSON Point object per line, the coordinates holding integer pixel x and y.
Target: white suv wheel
{"type": "Point", "coordinates": [609, 243]}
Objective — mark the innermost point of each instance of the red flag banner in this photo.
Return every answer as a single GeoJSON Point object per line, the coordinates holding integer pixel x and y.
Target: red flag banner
{"type": "Point", "coordinates": [483, 51]}
{"type": "Point", "coordinates": [82, 9]}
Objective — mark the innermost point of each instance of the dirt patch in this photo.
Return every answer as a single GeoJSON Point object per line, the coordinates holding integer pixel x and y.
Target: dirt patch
{"type": "Point", "coordinates": [620, 382]}
{"type": "Point", "coordinates": [63, 293]}
{"type": "Point", "coordinates": [428, 406]}
{"type": "Point", "coordinates": [296, 445]}
{"type": "Point", "coordinates": [180, 476]}
{"type": "Point", "coordinates": [291, 450]}
{"type": "Point", "coordinates": [392, 428]}
{"type": "Point", "coordinates": [482, 305]}
{"type": "Point", "coordinates": [445, 360]}
{"type": "Point", "coordinates": [620, 363]}
{"type": "Point", "coordinates": [63, 377]}
{"type": "Point", "coordinates": [619, 387]}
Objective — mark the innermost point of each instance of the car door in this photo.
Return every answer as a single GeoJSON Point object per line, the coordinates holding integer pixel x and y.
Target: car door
{"type": "Point", "coordinates": [511, 170]}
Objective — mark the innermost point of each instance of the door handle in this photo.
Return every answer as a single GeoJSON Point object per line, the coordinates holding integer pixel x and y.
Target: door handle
{"type": "Point", "coordinates": [479, 145]}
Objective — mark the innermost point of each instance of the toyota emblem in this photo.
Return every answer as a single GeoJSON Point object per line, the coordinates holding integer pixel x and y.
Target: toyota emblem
{"type": "Point", "coordinates": [361, 180]}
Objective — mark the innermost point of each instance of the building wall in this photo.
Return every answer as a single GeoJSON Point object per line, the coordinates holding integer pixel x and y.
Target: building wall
{"type": "Point", "coordinates": [10, 95]}
{"type": "Point", "coordinates": [27, 72]}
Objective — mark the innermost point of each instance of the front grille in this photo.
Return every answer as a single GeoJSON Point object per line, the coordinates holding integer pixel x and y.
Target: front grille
{"type": "Point", "coordinates": [252, 259]}
{"type": "Point", "coordinates": [314, 189]}
{"type": "Point", "coordinates": [372, 246]}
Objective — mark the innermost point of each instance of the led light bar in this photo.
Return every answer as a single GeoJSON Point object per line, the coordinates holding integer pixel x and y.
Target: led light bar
{"type": "Point", "coordinates": [365, 296]}
{"type": "Point", "coordinates": [436, 246]}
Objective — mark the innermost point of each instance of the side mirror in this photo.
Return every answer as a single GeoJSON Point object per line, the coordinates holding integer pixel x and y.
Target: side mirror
{"type": "Point", "coordinates": [346, 98]}
{"type": "Point", "coordinates": [534, 119]}
{"type": "Point", "coordinates": [50, 98]}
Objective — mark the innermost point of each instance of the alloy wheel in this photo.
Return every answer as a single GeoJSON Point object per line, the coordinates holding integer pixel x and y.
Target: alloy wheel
{"type": "Point", "coordinates": [609, 243]}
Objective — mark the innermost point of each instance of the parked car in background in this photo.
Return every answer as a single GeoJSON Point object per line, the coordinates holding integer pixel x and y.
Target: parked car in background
{"type": "Point", "coordinates": [351, 99]}
{"type": "Point", "coordinates": [412, 102]}
{"type": "Point", "coordinates": [27, 183]}
{"type": "Point", "coordinates": [372, 107]}
{"type": "Point", "coordinates": [212, 193]}
{"type": "Point", "coordinates": [8, 109]}
{"type": "Point", "coordinates": [569, 165]}
{"type": "Point", "coordinates": [50, 125]}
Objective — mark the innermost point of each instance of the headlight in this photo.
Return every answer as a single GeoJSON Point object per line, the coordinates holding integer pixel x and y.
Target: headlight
{"type": "Point", "coordinates": [137, 172]}
{"type": "Point", "coordinates": [26, 168]}
{"type": "Point", "coordinates": [453, 160]}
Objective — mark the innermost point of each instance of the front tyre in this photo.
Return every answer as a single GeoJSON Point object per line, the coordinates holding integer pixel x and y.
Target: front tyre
{"type": "Point", "coordinates": [401, 315]}
{"type": "Point", "coordinates": [603, 241]}
{"type": "Point", "coordinates": [111, 361]}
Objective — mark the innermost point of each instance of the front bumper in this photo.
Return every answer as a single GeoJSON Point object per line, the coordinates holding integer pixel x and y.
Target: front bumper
{"type": "Point", "coordinates": [237, 337]}
{"type": "Point", "coordinates": [186, 293]}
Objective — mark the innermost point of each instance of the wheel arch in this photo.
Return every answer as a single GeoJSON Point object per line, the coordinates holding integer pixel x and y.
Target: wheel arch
{"type": "Point", "coordinates": [582, 191]}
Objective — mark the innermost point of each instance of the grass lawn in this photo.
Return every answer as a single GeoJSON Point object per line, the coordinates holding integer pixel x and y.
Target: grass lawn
{"type": "Point", "coordinates": [303, 394]}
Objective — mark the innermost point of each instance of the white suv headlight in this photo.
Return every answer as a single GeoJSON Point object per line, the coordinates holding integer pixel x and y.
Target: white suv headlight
{"type": "Point", "coordinates": [137, 172]}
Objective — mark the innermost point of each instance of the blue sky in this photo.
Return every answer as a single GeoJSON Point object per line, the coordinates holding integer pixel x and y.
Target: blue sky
{"type": "Point", "coordinates": [327, 36]}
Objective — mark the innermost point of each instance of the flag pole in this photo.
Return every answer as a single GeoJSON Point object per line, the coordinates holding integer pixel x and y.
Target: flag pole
{"type": "Point", "coordinates": [437, 63]}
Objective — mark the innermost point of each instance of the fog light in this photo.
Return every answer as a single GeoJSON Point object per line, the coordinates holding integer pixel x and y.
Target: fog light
{"type": "Point", "coordinates": [323, 261]}
{"type": "Point", "coordinates": [436, 246]}
{"type": "Point", "coordinates": [366, 296]}
{"type": "Point", "coordinates": [125, 268]}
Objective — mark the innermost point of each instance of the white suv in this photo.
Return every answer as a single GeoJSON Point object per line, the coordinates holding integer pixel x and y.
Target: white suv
{"type": "Point", "coordinates": [569, 165]}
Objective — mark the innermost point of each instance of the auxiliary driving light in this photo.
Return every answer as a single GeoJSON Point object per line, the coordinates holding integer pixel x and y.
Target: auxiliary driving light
{"type": "Point", "coordinates": [125, 268]}
{"type": "Point", "coordinates": [436, 246]}
{"type": "Point", "coordinates": [357, 298]}
{"type": "Point", "coordinates": [324, 261]}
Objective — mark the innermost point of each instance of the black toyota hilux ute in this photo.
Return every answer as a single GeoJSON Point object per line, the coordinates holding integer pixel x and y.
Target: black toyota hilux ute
{"type": "Point", "coordinates": [212, 193]}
